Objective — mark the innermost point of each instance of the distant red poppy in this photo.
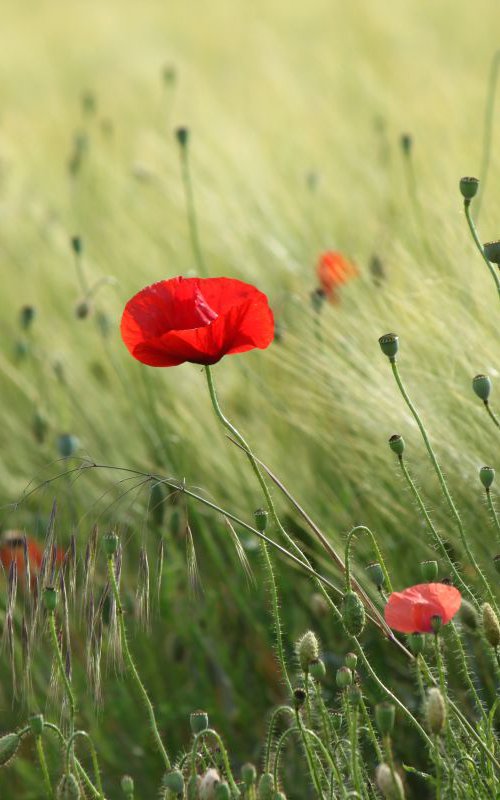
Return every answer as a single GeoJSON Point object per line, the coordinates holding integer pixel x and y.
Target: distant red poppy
{"type": "Point", "coordinates": [333, 270]}
{"type": "Point", "coordinates": [411, 611]}
{"type": "Point", "coordinates": [196, 319]}
{"type": "Point", "coordinates": [12, 549]}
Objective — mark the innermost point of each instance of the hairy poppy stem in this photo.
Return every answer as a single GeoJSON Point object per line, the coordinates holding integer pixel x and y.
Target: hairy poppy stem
{"type": "Point", "coordinates": [194, 752]}
{"type": "Point", "coordinates": [473, 230]}
{"type": "Point", "coordinates": [488, 126]}
{"type": "Point", "coordinates": [310, 756]}
{"type": "Point", "coordinates": [131, 666]}
{"type": "Point", "coordinates": [43, 766]}
{"type": "Point", "coordinates": [378, 554]}
{"type": "Point", "coordinates": [62, 671]}
{"type": "Point", "coordinates": [442, 481]}
{"type": "Point", "coordinates": [493, 512]}
{"type": "Point", "coordinates": [93, 755]}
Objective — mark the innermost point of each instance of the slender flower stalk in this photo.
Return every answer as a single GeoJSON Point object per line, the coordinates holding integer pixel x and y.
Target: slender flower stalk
{"type": "Point", "coordinates": [475, 236]}
{"type": "Point", "coordinates": [493, 511]}
{"type": "Point", "coordinates": [310, 756]}
{"type": "Point", "coordinates": [378, 554]}
{"type": "Point", "coordinates": [488, 126]}
{"type": "Point", "coordinates": [183, 139]}
{"type": "Point", "coordinates": [43, 766]}
{"type": "Point", "coordinates": [93, 755]}
{"type": "Point", "coordinates": [194, 752]}
{"type": "Point", "coordinates": [62, 671]}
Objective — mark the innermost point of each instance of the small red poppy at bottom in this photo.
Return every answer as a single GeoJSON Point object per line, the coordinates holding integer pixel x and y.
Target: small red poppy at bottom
{"type": "Point", "coordinates": [413, 610]}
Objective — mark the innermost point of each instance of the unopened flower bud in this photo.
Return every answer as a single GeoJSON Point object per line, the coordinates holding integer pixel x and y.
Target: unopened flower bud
{"type": "Point", "coordinates": [318, 298]}
{"type": "Point", "coordinates": [50, 598]}
{"type": "Point", "coordinates": [198, 721]}
{"type": "Point", "coordinates": [26, 316]}
{"type": "Point", "coordinates": [299, 697]}
{"type": "Point", "coordinates": [416, 643]}
{"type": "Point", "coordinates": [127, 786]}
{"type": "Point", "coordinates": [39, 427]}
{"type": "Point", "coordinates": [351, 660]}
{"type": "Point", "coordinates": [261, 518]}
{"type": "Point", "coordinates": [376, 574]}
{"type": "Point", "coordinates": [397, 444]}
{"type": "Point", "coordinates": [68, 788]}
{"type": "Point", "coordinates": [266, 787]}
{"type": "Point", "coordinates": [36, 724]}
{"type": "Point", "coordinates": [182, 136]}
{"type": "Point", "coordinates": [435, 710]}
{"type": "Point", "coordinates": [353, 614]}
{"type": "Point", "coordinates": [343, 677]}
{"type": "Point", "coordinates": [317, 669]}
{"type": "Point", "coordinates": [83, 309]}
{"type": "Point", "coordinates": [307, 649]}
{"type": "Point", "coordinates": [248, 775]}
{"type": "Point", "coordinates": [390, 786]}
{"type": "Point", "coordinates": [385, 714]}
{"type": "Point", "coordinates": [389, 344]}
{"type": "Point", "coordinates": [429, 570]}
{"type": "Point", "coordinates": [222, 791]}
{"type": "Point", "coordinates": [193, 787]}
{"type": "Point", "coordinates": [110, 543]}
{"type": "Point", "coordinates": [492, 251]}
{"type": "Point", "coordinates": [354, 694]}
{"type": "Point", "coordinates": [174, 781]}
{"type": "Point", "coordinates": [67, 444]}
{"type": "Point", "coordinates": [8, 747]}
{"type": "Point", "coordinates": [406, 141]}
{"type": "Point", "coordinates": [486, 476]}
{"type": "Point", "coordinates": [76, 245]}
{"type": "Point", "coordinates": [469, 187]}
{"type": "Point", "coordinates": [482, 386]}
{"type": "Point", "coordinates": [468, 615]}
{"type": "Point", "coordinates": [491, 626]}
{"type": "Point", "coordinates": [336, 720]}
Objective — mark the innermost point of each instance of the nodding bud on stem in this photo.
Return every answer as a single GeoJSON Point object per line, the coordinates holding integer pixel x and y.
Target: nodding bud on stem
{"type": "Point", "coordinates": [318, 298]}
{"type": "Point", "coordinates": [307, 649]}
{"type": "Point", "coordinates": [435, 710]}
{"type": "Point", "coordinates": [68, 788]}
{"type": "Point", "coordinates": [50, 598]}
{"type": "Point", "coordinates": [389, 344]}
{"type": "Point", "coordinates": [36, 724]}
{"type": "Point", "coordinates": [248, 775]}
{"type": "Point", "coordinates": [127, 786]}
{"type": "Point", "coordinates": [486, 476]}
{"type": "Point", "coordinates": [299, 697]}
{"type": "Point", "coordinates": [182, 136]}
{"type": "Point", "coordinates": [174, 781]}
{"type": "Point", "coordinates": [469, 187]}
{"type": "Point", "coordinates": [429, 570]}
{"type": "Point", "coordinates": [351, 660]}
{"type": "Point", "coordinates": [169, 74]}
{"type": "Point", "coordinates": [492, 251]}
{"type": "Point", "coordinates": [491, 625]}
{"type": "Point", "coordinates": [397, 444]}
{"type": "Point", "coordinates": [26, 316]}
{"type": "Point", "coordinates": [482, 386]}
{"type": "Point", "coordinates": [385, 715]}
{"type": "Point", "coordinates": [406, 141]}
{"type": "Point", "coordinates": [67, 444]}
{"type": "Point", "coordinates": [343, 677]}
{"type": "Point", "coordinates": [317, 669]}
{"type": "Point", "coordinates": [376, 574]}
{"type": "Point", "coordinates": [110, 542]}
{"type": "Point", "coordinates": [353, 614]}
{"type": "Point", "coordinates": [83, 309]}
{"type": "Point", "coordinates": [8, 747]}
{"type": "Point", "coordinates": [416, 643]}
{"type": "Point", "coordinates": [266, 786]}
{"type": "Point", "coordinates": [468, 615]}
{"type": "Point", "coordinates": [390, 785]}
{"type": "Point", "coordinates": [76, 245]}
{"type": "Point", "coordinates": [198, 721]}
{"type": "Point", "coordinates": [355, 696]}
{"type": "Point", "coordinates": [261, 517]}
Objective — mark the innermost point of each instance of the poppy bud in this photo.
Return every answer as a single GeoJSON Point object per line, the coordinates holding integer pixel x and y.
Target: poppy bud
{"type": "Point", "coordinates": [491, 626]}
{"type": "Point", "coordinates": [299, 697]}
{"type": "Point", "coordinates": [248, 775]}
{"type": "Point", "coordinates": [385, 715]}
{"type": "Point", "coordinates": [375, 573]}
{"type": "Point", "coordinates": [68, 788]}
{"type": "Point", "coordinates": [390, 785]}
{"type": "Point", "coordinates": [468, 615]}
{"type": "Point", "coordinates": [353, 614]}
{"type": "Point", "coordinates": [110, 543]}
{"type": "Point", "coordinates": [389, 344]}
{"type": "Point", "coordinates": [193, 787]}
{"type": "Point", "coordinates": [222, 791]}
{"type": "Point", "coordinates": [317, 669]}
{"type": "Point", "coordinates": [436, 623]}
{"type": "Point", "coordinates": [174, 781]}
{"type": "Point", "coordinates": [486, 476]}
{"type": "Point", "coordinates": [343, 677]}
{"type": "Point", "coordinates": [318, 298]}
{"type": "Point", "coordinates": [182, 136]}
{"type": "Point", "coordinates": [83, 309]}
{"type": "Point", "coordinates": [435, 710]}
{"type": "Point", "coordinates": [406, 142]}
{"type": "Point", "coordinates": [169, 74]}
{"type": "Point", "coordinates": [36, 724]}
{"type": "Point", "coordinates": [482, 386]}
{"type": "Point", "coordinates": [260, 517]}
{"type": "Point", "coordinates": [354, 695]}
{"type": "Point", "coordinates": [266, 787]}
{"type": "Point", "coordinates": [127, 785]}
{"type": "Point", "coordinates": [307, 649]}
{"type": "Point", "coordinates": [67, 444]}
{"type": "Point", "coordinates": [209, 783]}
{"type": "Point", "coordinates": [21, 349]}
{"type": "Point", "coordinates": [76, 245]}
{"type": "Point", "coordinates": [416, 643]}
{"type": "Point", "coordinates": [50, 598]}
{"type": "Point", "coordinates": [8, 747]}
{"type": "Point", "coordinates": [198, 721]}
{"type": "Point", "coordinates": [492, 251]}
{"type": "Point", "coordinates": [39, 427]}
{"type": "Point", "coordinates": [351, 660]}
{"type": "Point", "coordinates": [469, 187]}
{"type": "Point", "coordinates": [429, 570]}
{"type": "Point", "coordinates": [26, 316]}
{"type": "Point", "coordinates": [397, 444]}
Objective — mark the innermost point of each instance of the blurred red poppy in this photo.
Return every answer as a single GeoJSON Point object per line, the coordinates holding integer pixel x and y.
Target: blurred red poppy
{"type": "Point", "coordinates": [411, 611]}
{"type": "Point", "coordinates": [333, 270]}
{"type": "Point", "coordinates": [196, 319]}
{"type": "Point", "coordinates": [12, 549]}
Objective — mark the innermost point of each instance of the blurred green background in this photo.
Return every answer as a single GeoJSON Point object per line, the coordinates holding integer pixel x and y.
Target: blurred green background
{"type": "Point", "coordinates": [296, 112]}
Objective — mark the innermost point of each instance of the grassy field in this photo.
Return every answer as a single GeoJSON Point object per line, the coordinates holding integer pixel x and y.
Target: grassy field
{"type": "Point", "coordinates": [296, 113]}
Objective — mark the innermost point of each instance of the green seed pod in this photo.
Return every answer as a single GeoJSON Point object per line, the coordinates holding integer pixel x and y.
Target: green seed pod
{"type": "Point", "coordinates": [299, 697]}
{"type": "Point", "coordinates": [248, 775]}
{"type": "Point", "coordinates": [482, 386]}
{"type": "Point", "coordinates": [385, 715]}
{"type": "Point", "coordinates": [491, 625]}
{"type": "Point", "coordinates": [193, 787]}
{"type": "Point", "coordinates": [492, 251]}
{"type": "Point", "coordinates": [397, 444]}
{"type": "Point", "coordinates": [375, 574]}
{"type": "Point", "coordinates": [266, 787]}
{"type": "Point", "coordinates": [261, 517]}
{"type": "Point", "coordinates": [174, 781]}
{"type": "Point", "coordinates": [343, 677]}
{"type": "Point", "coordinates": [67, 444]}
{"type": "Point", "coordinates": [429, 570]}
{"type": "Point", "coordinates": [353, 614]}
{"type": "Point", "coordinates": [127, 786]}
{"type": "Point", "coordinates": [222, 791]}
{"type": "Point", "coordinates": [68, 788]}
{"type": "Point", "coordinates": [486, 476]}
{"type": "Point", "coordinates": [198, 721]}
{"type": "Point", "coordinates": [435, 710]}
{"type": "Point", "coordinates": [110, 543]}
{"type": "Point", "coordinates": [182, 136]}
{"type": "Point", "coordinates": [307, 648]}
{"type": "Point", "coordinates": [389, 344]}
{"type": "Point", "coordinates": [8, 747]}
{"type": "Point", "coordinates": [468, 615]}
{"type": "Point", "coordinates": [416, 643]}
{"type": "Point", "coordinates": [351, 660]}
{"type": "Point", "coordinates": [317, 669]}
{"type": "Point", "coordinates": [469, 187]}
{"type": "Point", "coordinates": [391, 787]}
{"type": "Point", "coordinates": [355, 696]}
{"type": "Point", "coordinates": [26, 316]}
{"type": "Point", "coordinates": [50, 598]}
{"type": "Point", "coordinates": [36, 724]}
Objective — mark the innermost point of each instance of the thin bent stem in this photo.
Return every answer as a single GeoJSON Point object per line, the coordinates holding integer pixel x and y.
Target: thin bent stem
{"type": "Point", "coordinates": [488, 127]}
{"type": "Point", "coordinates": [310, 757]}
{"type": "Point", "coordinates": [493, 511]}
{"type": "Point", "coordinates": [479, 246]}
{"type": "Point", "coordinates": [491, 414]}
{"type": "Point", "coordinates": [191, 212]}
{"type": "Point", "coordinates": [93, 755]}
{"type": "Point", "coordinates": [131, 666]}
{"type": "Point", "coordinates": [194, 751]}
{"type": "Point", "coordinates": [350, 536]}
{"type": "Point", "coordinates": [270, 733]}
{"type": "Point", "coordinates": [43, 766]}
{"type": "Point", "coordinates": [62, 671]}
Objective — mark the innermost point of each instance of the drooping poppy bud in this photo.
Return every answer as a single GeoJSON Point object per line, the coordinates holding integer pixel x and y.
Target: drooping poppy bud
{"type": "Point", "coordinates": [8, 747]}
{"type": "Point", "coordinates": [36, 724]}
{"type": "Point", "coordinates": [174, 781]}
{"type": "Point", "coordinates": [376, 574]}
{"type": "Point", "coordinates": [390, 785]}
{"type": "Point", "coordinates": [492, 251]}
{"type": "Point", "coordinates": [68, 788]}
{"type": "Point", "coordinates": [353, 614]}
{"type": "Point", "coordinates": [435, 710]}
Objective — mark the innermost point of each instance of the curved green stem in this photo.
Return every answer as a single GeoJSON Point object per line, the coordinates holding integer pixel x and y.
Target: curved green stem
{"type": "Point", "coordinates": [479, 246]}
{"type": "Point", "coordinates": [93, 755]}
{"type": "Point", "coordinates": [493, 512]}
{"type": "Point", "coordinates": [62, 671]}
{"type": "Point", "coordinates": [465, 669]}
{"type": "Point", "coordinates": [310, 756]}
{"type": "Point", "coordinates": [191, 212]}
{"type": "Point", "coordinates": [43, 766]}
{"type": "Point", "coordinates": [491, 414]}
{"type": "Point", "coordinates": [488, 127]}
{"type": "Point", "coordinates": [131, 666]}
{"type": "Point", "coordinates": [270, 733]}
{"type": "Point", "coordinates": [194, 751]}
{"type": "Point", "coordinates": [378, 554]}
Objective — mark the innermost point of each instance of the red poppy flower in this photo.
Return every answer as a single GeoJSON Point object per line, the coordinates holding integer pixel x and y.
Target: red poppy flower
{"type": "Point", "coordinates": [333, 270]}
{"type": "Point", "coordinates": [411, 611]}
{"type": "Point", "coordinates": [196, 319]}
